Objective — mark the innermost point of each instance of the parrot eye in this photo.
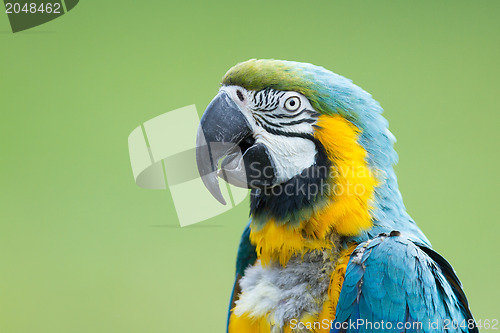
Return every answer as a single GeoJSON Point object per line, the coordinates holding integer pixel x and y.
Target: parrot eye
{"type": "Point", "coordinates": [292, 103]}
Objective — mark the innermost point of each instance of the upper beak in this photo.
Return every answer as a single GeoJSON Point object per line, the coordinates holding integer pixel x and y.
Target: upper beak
{"type": "Point", "coordinates": [222, 127]}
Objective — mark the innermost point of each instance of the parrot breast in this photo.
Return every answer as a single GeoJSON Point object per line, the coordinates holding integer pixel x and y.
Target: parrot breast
{"type": "Point", "coordinates": [306, 290]}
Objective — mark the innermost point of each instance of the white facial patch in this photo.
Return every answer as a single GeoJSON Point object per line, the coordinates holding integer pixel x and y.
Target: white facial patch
{"type": "Point", "coordinates": [278, 120]}
{"type": "Point", "coordinates": [290, 155]}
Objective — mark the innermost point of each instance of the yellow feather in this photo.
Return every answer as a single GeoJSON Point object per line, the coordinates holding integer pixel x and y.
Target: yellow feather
{"type": "Point", "coordinates": [348, 211]}
{"type": "Point", "coordinates": [337, 281]}
{"type": "Point", "coordinates": [245, 324]}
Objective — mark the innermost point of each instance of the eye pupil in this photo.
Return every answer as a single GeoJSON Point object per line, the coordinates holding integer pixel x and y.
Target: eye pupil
{"type": "Point", "coordinates": [292, 103]}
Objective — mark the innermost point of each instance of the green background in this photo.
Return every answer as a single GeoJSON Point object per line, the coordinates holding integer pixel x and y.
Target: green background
{"type": "Point", "coordinates": [83, 249]}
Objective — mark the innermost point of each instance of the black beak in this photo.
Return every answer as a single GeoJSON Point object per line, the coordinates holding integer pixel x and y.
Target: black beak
{"type": "Point", "coordinates": [224, 132]}
{"type": "Point", "coordinates": [222, 127]}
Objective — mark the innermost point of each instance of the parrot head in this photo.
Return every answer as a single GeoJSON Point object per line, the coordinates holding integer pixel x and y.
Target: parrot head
{"type": "Point", "coordinates": [312, 146]}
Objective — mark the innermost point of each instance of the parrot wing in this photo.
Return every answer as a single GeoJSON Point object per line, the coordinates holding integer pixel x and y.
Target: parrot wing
{"type": "Point", "coordinates": [391, 279]}
{"type": "Point", "coordinates": [246, 257]}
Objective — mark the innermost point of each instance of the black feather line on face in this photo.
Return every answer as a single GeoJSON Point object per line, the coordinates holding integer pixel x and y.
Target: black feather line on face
{"type": "Point", "coordinates": [288, 134]}
{"type": "Point", "coordinates": [266, 100]}
{"type": "Point", "coordinates": [266, 121]}
{"type": "Point", "coordinates": [297, 122]}
{"type": "Point", "coordinates": [311, 113]}
{"type": "Point", "coordinates": [290, 201]}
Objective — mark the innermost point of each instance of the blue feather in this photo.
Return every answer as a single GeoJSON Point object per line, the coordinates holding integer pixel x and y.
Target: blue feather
{"type": "Point", "coordinates": [400, 283]}
{"type": "Point", "coordinates": [246, 257]}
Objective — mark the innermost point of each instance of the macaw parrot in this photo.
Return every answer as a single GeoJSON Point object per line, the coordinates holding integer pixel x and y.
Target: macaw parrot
{"type": "Point", "coordinates": [329, 246]}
